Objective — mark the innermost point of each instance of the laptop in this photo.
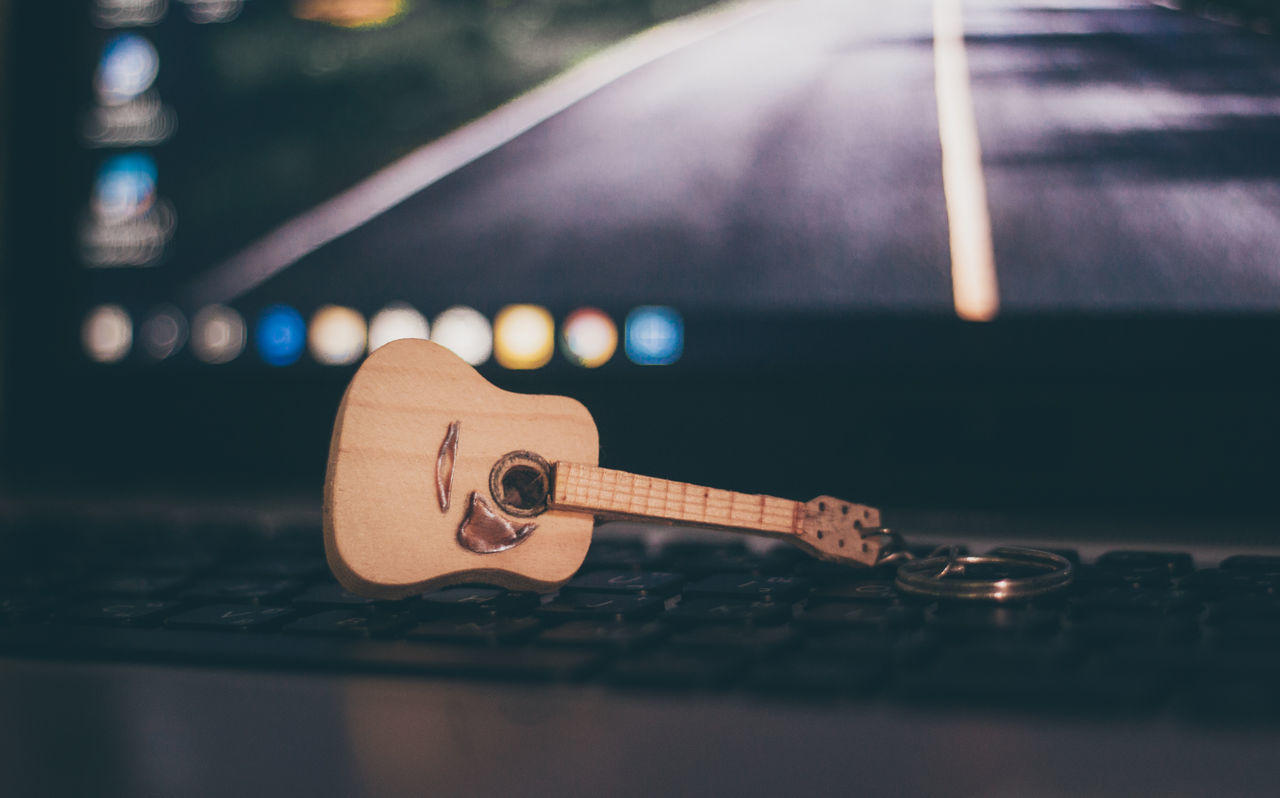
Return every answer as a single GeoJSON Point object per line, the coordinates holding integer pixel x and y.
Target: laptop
{"type": "Point", "coordinates": [1005, 271]}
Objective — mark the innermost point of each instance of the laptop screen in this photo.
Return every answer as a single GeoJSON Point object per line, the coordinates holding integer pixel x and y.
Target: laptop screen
{"type": "Point", "coordinates": [769, 211]}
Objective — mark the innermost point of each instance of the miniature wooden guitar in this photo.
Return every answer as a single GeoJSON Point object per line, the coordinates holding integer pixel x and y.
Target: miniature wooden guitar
{"type": "Point", "coordinates": [437, 477]}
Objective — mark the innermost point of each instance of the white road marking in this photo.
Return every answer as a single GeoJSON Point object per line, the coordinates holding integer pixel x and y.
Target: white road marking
{"type": "Point", "coordinates": [432, 162]}
{"type": "Point", "coordinates": [973, 262]}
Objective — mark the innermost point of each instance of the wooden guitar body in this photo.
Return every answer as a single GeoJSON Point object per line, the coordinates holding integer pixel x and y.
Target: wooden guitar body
{"type": "Point", "coordinates": [411, 501]}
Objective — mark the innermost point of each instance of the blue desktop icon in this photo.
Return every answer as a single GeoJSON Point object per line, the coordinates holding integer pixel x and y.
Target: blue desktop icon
{"type": "Point", "coordinates": [128, 67]}
{"type": "Point", "coordinates": [654, 336]}
{"type": "Point", "coordinates": [125, 188]}
{"type": "Point", "coordinates": [281, 334]}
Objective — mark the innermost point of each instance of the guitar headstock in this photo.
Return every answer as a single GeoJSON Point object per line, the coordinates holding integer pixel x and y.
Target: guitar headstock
{"type": "Point", "coordinates": [437, 477]}
{"type": "Point", "coordinates": [840, 531]}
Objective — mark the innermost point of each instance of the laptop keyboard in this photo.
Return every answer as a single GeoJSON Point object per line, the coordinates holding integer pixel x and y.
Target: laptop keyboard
{"type": "Point", "coordinates": [1138, 632]}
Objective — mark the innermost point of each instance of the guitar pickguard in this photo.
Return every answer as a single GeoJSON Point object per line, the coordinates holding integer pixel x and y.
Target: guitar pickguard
{"type": "Point", "coordinates": [485, 531]}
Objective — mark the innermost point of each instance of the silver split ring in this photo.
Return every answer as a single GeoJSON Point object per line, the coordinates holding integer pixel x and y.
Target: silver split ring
{"type": "Point", "coordinates": [942, 576]}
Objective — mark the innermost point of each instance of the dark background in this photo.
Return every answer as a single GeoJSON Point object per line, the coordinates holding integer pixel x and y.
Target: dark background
{"type": "Point", "coordinates": [1066, 412]}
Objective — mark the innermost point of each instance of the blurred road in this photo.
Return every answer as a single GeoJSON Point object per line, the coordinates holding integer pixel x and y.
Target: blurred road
{"type": "Point", "coordinates": [792, 161]}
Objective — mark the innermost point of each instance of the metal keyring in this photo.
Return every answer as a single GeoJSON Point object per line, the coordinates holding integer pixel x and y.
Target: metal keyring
{"type": "Point", "coordinates": [934, 576]}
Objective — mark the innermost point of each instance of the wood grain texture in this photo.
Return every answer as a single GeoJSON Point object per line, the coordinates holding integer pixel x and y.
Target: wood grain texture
{"type": "Point", "coordinates": [618, 494]}
{"type": "Point", "coordinates": [833, 529]}
{"type": "Point", "coordinates": [385, 534]}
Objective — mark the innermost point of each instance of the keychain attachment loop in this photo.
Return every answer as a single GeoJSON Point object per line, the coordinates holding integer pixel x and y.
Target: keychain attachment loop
{"type": "Point", "coordinates": [942, 575]}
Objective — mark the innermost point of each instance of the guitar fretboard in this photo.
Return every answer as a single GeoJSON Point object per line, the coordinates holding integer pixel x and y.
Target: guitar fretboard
{"type": "Point", "coordinates": [618, 494]}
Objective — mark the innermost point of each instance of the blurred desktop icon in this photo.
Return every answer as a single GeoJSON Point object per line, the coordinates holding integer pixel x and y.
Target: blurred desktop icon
{"type": "Point", "coordinates": [350, 13]}
{"type": "Point", "coordinates": [125, 188]}
{"type": "Point", "coordinates": [217, 334]}
{"type": "Point", "coordinates": [589, 337]}
{"type": "Point", "coordinates": [397, 320]}
{"type": "Point", "coordinates": [128, 112]}
{"type": "Point", "coordinates": [128, 224]}
{"type": "Point", "coordinates": [338, 336]}
{"type": "Point", "coordinates": [524, 337]}
{"type": "Point", "coordinates": [128, 13]}
{"type": "Point", "coordinates": [164, 332]}
{"type": "Point", "coordinates": [128, 67]}
{"type": "Point", "coordinates": [281, 334]}
{"type": "Point", "coordinates": [466, 332]}
{"type": "Point", "coordinates": [107, 334]}
{"type": "Point", "coordinates": [209, 11]}
{"type": "Point", "coordinates": [654, 336]}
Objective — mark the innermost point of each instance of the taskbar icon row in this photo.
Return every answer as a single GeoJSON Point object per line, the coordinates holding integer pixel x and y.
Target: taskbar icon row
{"type": "Point", "coordinates": [519, 337]}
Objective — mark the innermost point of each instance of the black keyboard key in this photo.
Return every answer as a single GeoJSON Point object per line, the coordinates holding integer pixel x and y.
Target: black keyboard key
{"type": "Point", "coordinates": [860, 616]}
{"type": "Point", "coordinates": [331, 595]}
{"type": "Point", "coordinates": [756, 641]}
{"type": "Point", "coordinates": [357, 623]}
{"type": "Point", "coordinates": [1143, 601]}
{"type": "Point", "coordinates": [691, 611]}
{"type": "Point", "coordinates": [602, 606]}
{"type": "Point", "coordinates": [477, 632]}
{"type": "Point", "coordinates": [677, 669]}
{"type": "Point", "coordinates": [1169, 563]}
{"type": "Point", "coordinates": [745, 586]}
{"type": "Point", "coordinates": [242, 589]}
{"type": "Point", "coordinates": [1252, 563]}
{"type": "Point", "coordinates": [1213, 584]}
{"type": "Point", "coordinates": [865, 590]}
{"type": "Point", "coordinates": [135, 585]}
{"type": "Point", "coordinates": [122, 612]}
{"type": "Point", "coordinates": [472, 601]}
{"type": "Point", "coordinates": [231, 618]}
{"type": "Point", "coordinates": [655, 583]}
{"type": "Point", "coordinates": [604, 634]}
{"type": "Point", "coordinates": [821, 572]}
{"type": "Point", "coordinates": [1089, 578]}
{"type": "Point", "coordinates": [1092, 577]}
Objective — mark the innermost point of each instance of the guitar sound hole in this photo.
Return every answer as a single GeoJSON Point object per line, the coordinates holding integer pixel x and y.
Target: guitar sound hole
{"type": "Point", "coordinates": [524, 487]}
{"type": "Point", "coordinates": [520, 483]}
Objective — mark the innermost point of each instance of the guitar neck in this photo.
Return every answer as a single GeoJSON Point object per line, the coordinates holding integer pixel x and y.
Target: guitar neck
{"type": "Point", "coordinates": [620, 495]}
